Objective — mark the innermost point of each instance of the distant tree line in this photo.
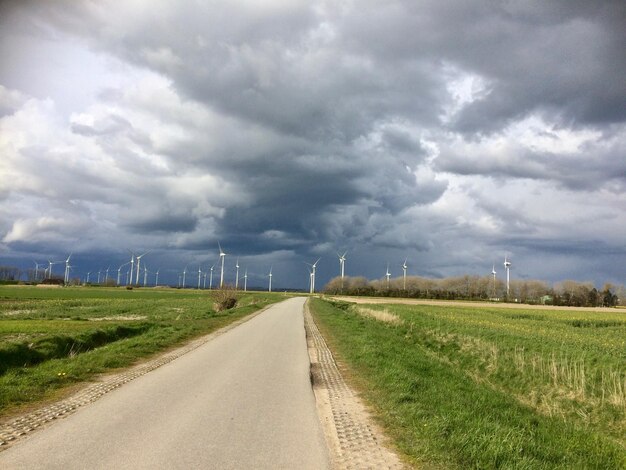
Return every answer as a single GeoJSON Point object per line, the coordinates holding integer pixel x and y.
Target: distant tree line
{"type": "Point", "coordinates": [12, 274]}
{"type": "Point", "coordinates": [566, 293]}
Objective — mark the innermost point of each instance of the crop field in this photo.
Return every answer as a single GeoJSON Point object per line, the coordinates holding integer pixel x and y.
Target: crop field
{"type": "Point", "coordinates": [488, 387]}
{"type": "Point", "coordinates": [51, 338]}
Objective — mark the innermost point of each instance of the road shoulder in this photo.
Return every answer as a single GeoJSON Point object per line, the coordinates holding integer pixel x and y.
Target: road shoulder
{"type": "Point", "coordinates": [353, 439]}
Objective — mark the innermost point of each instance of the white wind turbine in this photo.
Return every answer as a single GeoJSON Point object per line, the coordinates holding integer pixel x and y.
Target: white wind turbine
{"type": "Point", "coordinates": [404, 268]}
{"type": "Point", "coordinates": [138, 263]}
{"type": "Point", "coordinates": [211, 278]}
{"type": "Point", "coordinates": [66, 278]}
{"type": "Point", "coordinates": [237, 275]}
{"type": "Point", "coordinates": [507, 266]}
{"type": "Point", "coordinates": [270, 276]}
{"type": "Point", "coordinates": [199, 276]}
{"type": "Point", "coordinates": [222, 256]}
{"type": "Point", "coordinates": [387, 275]}
{"type": "Point", "coordinates": [87, 280]}
{"type": "Point", "coordinates": [311, 282]}
{"type": "Point", "coordinates": [312, 272]}
{"type": "Point", "coordinates": [50, 263]}
{"type": "Point", "coordinates": [106, 279]}
{"type": "Point", "coordinates": [37, 269]}
{"type": "Point", "coordinates": [493, 273]}
{"type": "Point", "coordinates": [184, 276]}
{"type": "Point", "coordinates": [129, 279]}
{"type": "Point", "coordinates": [204, 283]}
{"type": "Point", "coordinates": [245, 281]}
{"type": "Point", "coordinates": [145, 275]}
{"type": "Point", "coordinates": [119, 271]}
{"type": "Point", "coordinates": [156, 282]}
{"type": "Point", "coordinates": [342, 264]}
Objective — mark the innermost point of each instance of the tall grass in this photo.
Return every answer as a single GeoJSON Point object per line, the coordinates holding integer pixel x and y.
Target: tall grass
{"type": "Point", "coordinates": [467, 388]}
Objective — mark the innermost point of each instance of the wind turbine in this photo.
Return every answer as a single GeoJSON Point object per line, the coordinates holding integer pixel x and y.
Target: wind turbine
{"type": "Point", "coordinates": [37, 269]}
{"type": "Point", "coordinates": [237, 276]}
{"type": "Point", "coordinates": [311, 281]}
{"type": "Point", "coordinates": [270, 276]}
{"type": "Point", "coordinates": [211, 278]}
{"type": "Point", "coordinates": [493, 273]}
{"type": "Point", "coordinates": [342, 264]}
{"type": "Point", "coordinates": [184, 276]}
{"type": "Point", "coordinates": [50, 263]}
{"type": "Point", "coordinates": [199, 276]}
{"type": "Point", "coordinates": [404, 268]}
{"type": "Point", "coordinates": [67, 270]}
{"type": "Point", "coordinates": [106, 279]}
{"type": "Point", "coordinates": [138, 263]}
{"type": "Point", "coordinates": [87, 280]}
{"type": "Point", "coordinates": [132, 268]}
{"type": "Point", "coordinates": [507, 266]}
{"type": "Point", "coordinates": [222, 256]}
{"type": "Point", "coordinates": [145, 275]}
{"type": "Point", "coordinates": [245, 281]}
{"type": "Point", "coordinates": [119, 270]}
{"type": "Point", "coordinates": [156, 282]}
{"type": "Point", "coordinates": [387, 275]}
{"type": "Point", "coordinates": [99, 271]}
{"type": "Point", "coordinates": [312, 272]}
{"type": "Point", "coordinates": [204, 283]}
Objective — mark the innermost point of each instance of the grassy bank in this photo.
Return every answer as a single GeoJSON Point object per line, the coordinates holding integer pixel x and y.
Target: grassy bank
{"type": "Point", "coordinates": [488, 388]}
{"type": "Point", "coordinates": [53, 338]}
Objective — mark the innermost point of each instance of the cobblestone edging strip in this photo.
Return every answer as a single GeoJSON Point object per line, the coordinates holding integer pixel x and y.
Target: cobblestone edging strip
{"type": "Point", "coordinates": [19, 427]}
{"type": "Point", "coordinates": [354, 441]}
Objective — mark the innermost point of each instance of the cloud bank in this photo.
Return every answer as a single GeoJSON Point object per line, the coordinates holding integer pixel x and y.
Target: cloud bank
{"type": "Point", "coordinates": [449, 134]}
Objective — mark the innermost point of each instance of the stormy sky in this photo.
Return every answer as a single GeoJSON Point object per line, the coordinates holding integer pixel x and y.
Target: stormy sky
{"type": "Point", "coordinates": [449, 133]}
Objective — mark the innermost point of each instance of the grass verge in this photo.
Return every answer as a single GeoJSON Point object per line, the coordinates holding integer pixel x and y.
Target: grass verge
{"type": "Point", "coordinates": [53, 339]}
{"type": "Point", "coordinates": [440, 409]}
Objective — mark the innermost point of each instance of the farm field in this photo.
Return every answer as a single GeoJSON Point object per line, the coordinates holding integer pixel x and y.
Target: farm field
{"type": "Point", "coordinates": [488, 387]}
{"type": "Point", "coordinates": [53, 338]}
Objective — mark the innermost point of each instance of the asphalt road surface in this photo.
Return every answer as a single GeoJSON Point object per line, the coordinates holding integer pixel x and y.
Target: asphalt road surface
{"type": "Point", "coordinates": [241, 401]}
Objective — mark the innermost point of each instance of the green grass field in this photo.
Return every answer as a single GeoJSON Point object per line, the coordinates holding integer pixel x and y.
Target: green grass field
{"type": "Point", "coordinates": [463, 387]}
{"type": "Point", "coordinates": [51, 338]}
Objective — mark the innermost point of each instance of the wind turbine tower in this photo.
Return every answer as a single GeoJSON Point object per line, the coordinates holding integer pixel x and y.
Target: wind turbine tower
{"type": "Point", "coordinates": [50, 263]}
{"type": "Point", "coordinates": [404, 268]}
{"type": "Point", "coordinates": [138, 263]}
{"type": "Point", "coordinates": [313, 266]}
{"type": "Point", "coordinates": [270, 276]}
{"type": "Point", "coordinates": [237, 276]}
{"type": "Point", "coordinates": [342, 265]}
{"type": "Point", "coordinates": [387, 275]}
{"type": "Point", "coordinates": [222, 256]}
{"type": "Point", "coordinates": [36, 270]}
{"type": "Point", "coordinates": [493, 273]}
{"type": "Point", "coordinates": [199, 276]}
{"type": "Point", "coordinates": [156, 282]}
{"type": "Point", "coordinates": [507, 266]}
{"type": "Point", "coordinates": [132, 269]}
{"type": "Point", "coordinates": [211, 278]}
{"type": "Point", "coordinates": [184, 276]}
{"type": "Point", "coordinates": [66, 278]}
{"type": "Point", "coordinates": [245, 281]}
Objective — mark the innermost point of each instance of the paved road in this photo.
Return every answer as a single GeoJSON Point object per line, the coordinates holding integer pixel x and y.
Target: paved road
{"type": "Point", "coordinates": [243, 400]}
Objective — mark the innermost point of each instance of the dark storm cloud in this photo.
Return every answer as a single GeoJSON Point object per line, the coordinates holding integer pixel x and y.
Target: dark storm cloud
{"type": "Point", "coordinates": [298, 127]}
{"type": "Point", "coordinates": [581, 171]}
